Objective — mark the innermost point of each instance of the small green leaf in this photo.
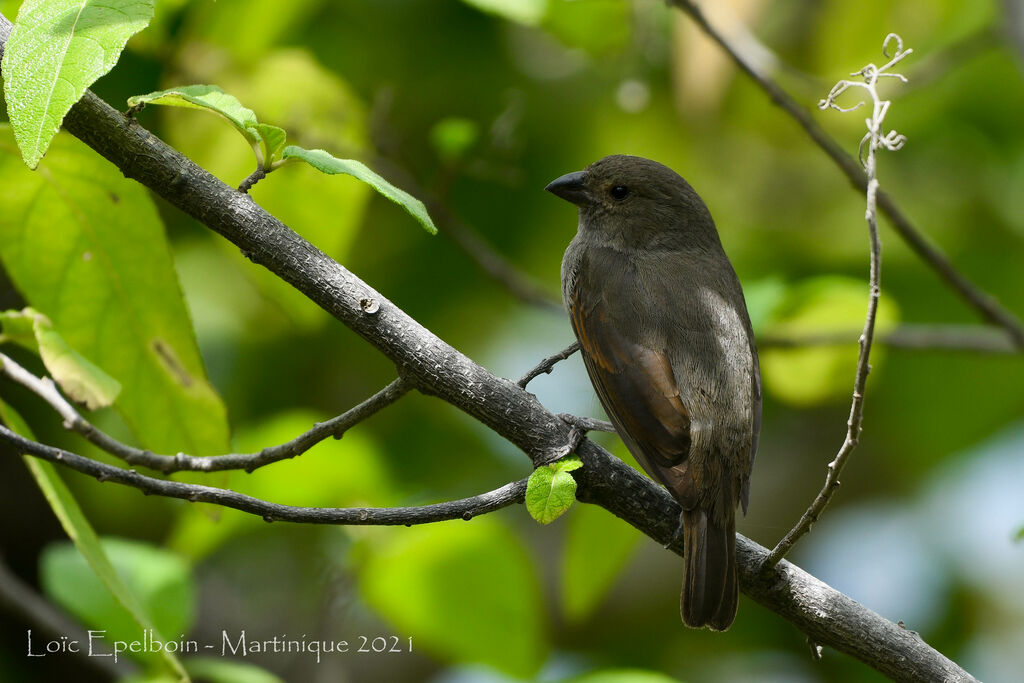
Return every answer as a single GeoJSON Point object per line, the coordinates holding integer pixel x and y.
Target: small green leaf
{"type": "Point", "coordinates": [57, 49]}
{"type": "Point", "coordinates": [208, 97]}
{"type": "Point", "coordinates": [80, 379]}
{"type": "Point", "coordinates": [1020, 534]}
{"type": "Point", "coordinates": [551, 490]}
{"type": "Point", "coordinates": [273, 140]}
{"type": "Point", "coordinates": [78, 529]}
{"type": "Point", "coordinates": [326, 163]}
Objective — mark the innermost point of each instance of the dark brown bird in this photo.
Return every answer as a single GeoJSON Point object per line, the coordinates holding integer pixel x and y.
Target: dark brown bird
{"type": "Point", "coordinates": [666, 339]}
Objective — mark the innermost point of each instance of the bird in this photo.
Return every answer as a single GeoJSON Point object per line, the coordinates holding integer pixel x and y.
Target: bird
{"type": "Point", "coordinates": [667, 343]}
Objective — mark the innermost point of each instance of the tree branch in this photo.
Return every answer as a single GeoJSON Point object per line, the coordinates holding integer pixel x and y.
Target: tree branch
{"type": "Point", "coordinates": [73, 420]}
{"type": "Point", "coordinates": [548, 364]}
{"type": "Point", "coordinates": [989, 308]}
{"type": "Point", "coordinates": [466, 508]}
{"type": "Point", "coordinates": [436, 368]}
{"type": "Point", "coordinates": [975, 338]}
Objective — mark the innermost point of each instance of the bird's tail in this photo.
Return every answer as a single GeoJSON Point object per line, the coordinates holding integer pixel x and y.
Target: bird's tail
{"type": "Point", "coordinates": [709, 585]}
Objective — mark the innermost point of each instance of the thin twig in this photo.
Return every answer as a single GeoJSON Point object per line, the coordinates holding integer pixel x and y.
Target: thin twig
{"type": "Point", "coordinates": [984, 303]}
{"type": "Point", "coordinates": [466, 508]}
{"type": "Point", "coordinates": [259, 174]}
{"type": "Point", "coordinates": [876, 139]}
{"type": "Point", "coordinates": [336, 426]}
{"type": "Point", "coordinates": [969, 338]}
{"type": "Point", "coordinates": [548, 364]}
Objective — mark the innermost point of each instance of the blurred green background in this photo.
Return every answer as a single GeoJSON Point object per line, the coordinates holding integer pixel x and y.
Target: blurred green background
{"type": "Point", "coordinates": [475, 106]}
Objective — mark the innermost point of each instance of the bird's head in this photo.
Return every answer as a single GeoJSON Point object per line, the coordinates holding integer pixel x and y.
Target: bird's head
{"type": "Point", "coordinates": [633, 202]}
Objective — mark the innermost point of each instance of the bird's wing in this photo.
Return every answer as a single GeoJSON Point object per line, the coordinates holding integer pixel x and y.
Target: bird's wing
{"type": "Point", "coordinates": [638, 389]}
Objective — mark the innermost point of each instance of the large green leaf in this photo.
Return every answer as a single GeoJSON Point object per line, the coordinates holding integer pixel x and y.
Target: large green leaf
{"type": "Point", "coordinates": [106, 584]}
{"type": "Point", "coordinates": [85, 246]}
{"type": "Point", "coordinates": [597, 546]}
{"type": "Point", "coordinates": [464, 591]}
{"type": "Point", "coordinates": [332, 165]}
{"type": "Point", "coordinates": [56, 50]}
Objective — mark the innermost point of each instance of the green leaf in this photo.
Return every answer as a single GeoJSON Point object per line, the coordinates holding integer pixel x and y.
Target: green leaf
{"type": "Point", "coordinates": [466, 592]}
{"type": "Point", "coordinates": [528, 12]}
{"type": "Point", "coordinates": [551, 490]}
{"type": "Point", "coordinates": [273, 140]}
{"type": "Point", "coordinates": [158, 579]}
{"type": "Point", "coordinates": [597, 546]}
{"type": "Point", "coordinates": [107, 585]}
{"type": "Point", "coordinates": [57, 49]}
{"type": "Point", "coordinates": [814, 374]}
{"type": "Point", "coordinates": [1020, 534]}
{"type": "Point", "coordinates": [80, 379]}
{"type": "Point", "coordinates": [209, 98]}
{"type": "Point", "coordinates": [324, 162]}
{"type": "Point", "coordinates": [85, 246]}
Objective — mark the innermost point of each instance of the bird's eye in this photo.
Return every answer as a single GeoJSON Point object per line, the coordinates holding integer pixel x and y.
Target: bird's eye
{"type": "Point", "coordinates": [619, 192]}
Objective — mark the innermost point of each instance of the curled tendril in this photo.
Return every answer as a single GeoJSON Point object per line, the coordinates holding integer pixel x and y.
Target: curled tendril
{"type": "Point", "coordinates": [899, 45]}
{"type": "Point", "coordinates": [870, 74]}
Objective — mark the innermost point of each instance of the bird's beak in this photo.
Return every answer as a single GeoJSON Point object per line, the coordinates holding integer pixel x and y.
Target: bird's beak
{"type": "Point", "coordinates": [571, 187]}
